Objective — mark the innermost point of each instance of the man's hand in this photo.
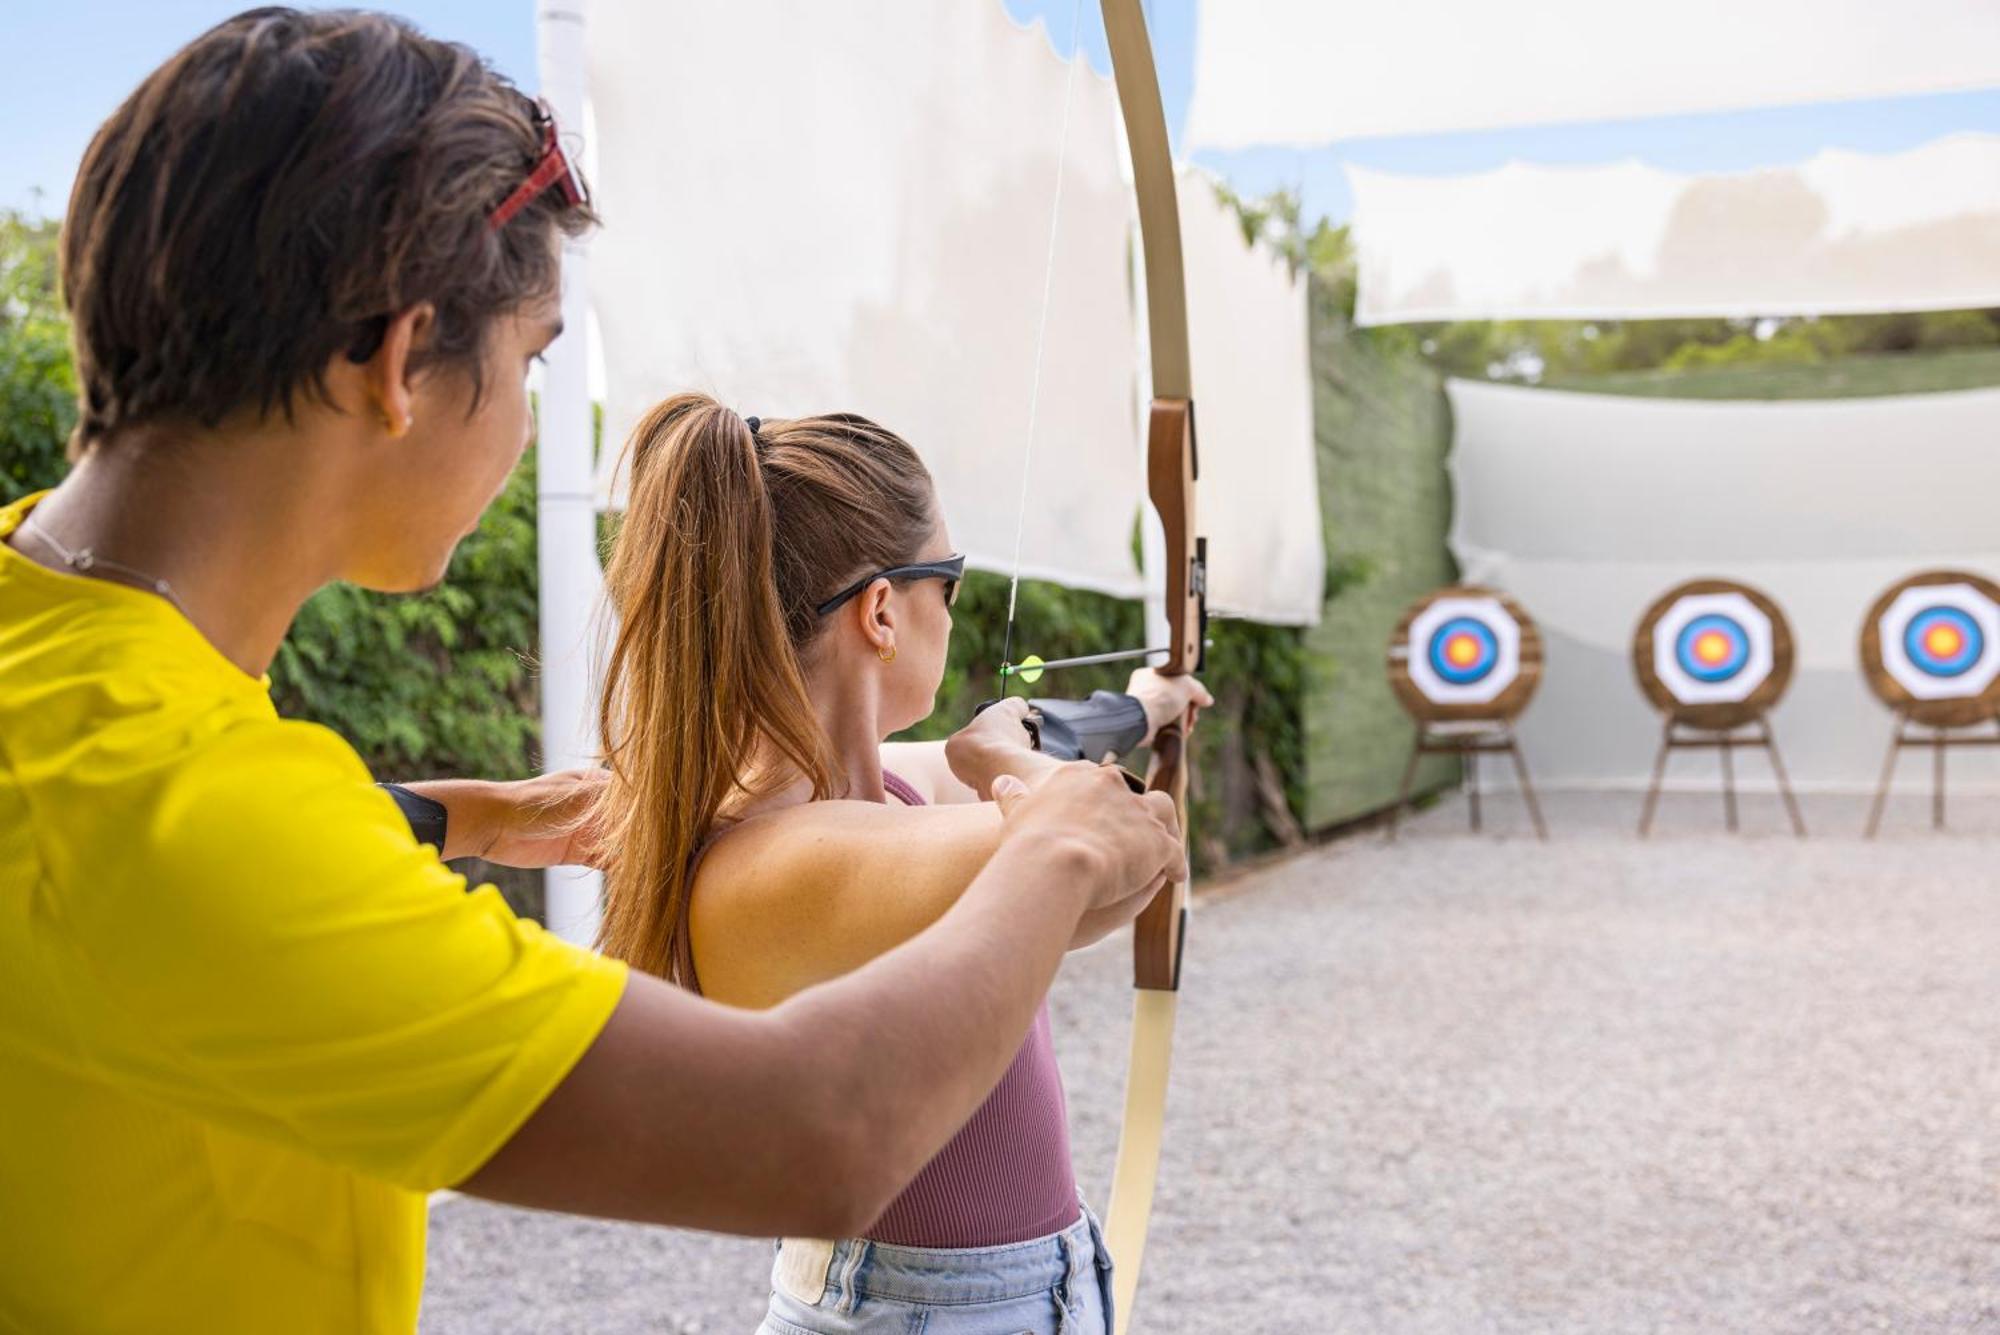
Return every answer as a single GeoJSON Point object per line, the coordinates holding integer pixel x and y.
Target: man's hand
{"type": "Point", "coordinates": [539, 822]}
{"type": "Point", "coordinates": [1167, 699]}
{"type": "Point", "coordinates": [1127, 844]}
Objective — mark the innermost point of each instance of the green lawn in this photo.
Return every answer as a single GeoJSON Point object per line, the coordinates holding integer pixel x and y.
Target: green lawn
{"type": "Point", "coordinates": [1847, 377]}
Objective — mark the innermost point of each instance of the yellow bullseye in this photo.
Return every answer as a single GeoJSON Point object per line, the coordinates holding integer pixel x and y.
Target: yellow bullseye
{"type": "Point", "coordinates": [1461, 651]}
{"type": "Point", "coordinates": [1944, 641]}
{"type": "Point", "coordinates": [1711, 647]}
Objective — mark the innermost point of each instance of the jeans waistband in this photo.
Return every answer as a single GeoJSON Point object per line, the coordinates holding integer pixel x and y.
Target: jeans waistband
{"type": "Point", "coordinates": [942, 1276]}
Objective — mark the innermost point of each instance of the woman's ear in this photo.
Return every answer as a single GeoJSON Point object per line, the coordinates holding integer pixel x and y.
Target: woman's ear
{"type": "Point", "coordinates": [877, 617]}
{"type": "Point", "coordinates": [387, 374]}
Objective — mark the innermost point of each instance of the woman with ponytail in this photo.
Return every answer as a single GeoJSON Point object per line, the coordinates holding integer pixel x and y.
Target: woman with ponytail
{"type": "Point", "coordinates": [783, 593]}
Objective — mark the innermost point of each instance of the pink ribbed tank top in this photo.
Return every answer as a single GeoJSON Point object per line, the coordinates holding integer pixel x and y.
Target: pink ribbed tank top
{"type": "Point", "coordinates": [1006, 1176]}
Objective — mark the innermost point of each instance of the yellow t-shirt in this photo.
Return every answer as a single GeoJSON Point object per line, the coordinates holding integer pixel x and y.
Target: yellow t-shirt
{"type": "Point", "coordinates": [246, 1020]}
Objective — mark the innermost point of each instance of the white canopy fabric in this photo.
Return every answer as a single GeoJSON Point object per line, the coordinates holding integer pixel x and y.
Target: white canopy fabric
{"type": "Point", "coordinates": [1305, 72]}
{"type": "Point", "coordinates": [856, 216]}
{"type": "Point", "coordinates": [1249, 344]}
{"type": "Point", "coordinates": [1917, 230]}
{"type": "Point", "coordinates": [1587, 507]}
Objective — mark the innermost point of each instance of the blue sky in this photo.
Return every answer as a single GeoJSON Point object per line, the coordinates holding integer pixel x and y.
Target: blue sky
{"type": "Point", "coordinates": [72, 62]}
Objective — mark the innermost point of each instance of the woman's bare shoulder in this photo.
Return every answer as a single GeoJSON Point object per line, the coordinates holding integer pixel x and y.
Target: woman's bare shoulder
{"type": "Point", "coordinates": [796, 836]}
{"type": "Point", "coordinates": [823, 849]}
{"type": "Point", "coordinates": [790, 898]}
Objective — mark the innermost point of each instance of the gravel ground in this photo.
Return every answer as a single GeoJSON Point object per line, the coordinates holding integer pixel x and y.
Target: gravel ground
{"type": "Point", "coordinates": [1480, 1084]}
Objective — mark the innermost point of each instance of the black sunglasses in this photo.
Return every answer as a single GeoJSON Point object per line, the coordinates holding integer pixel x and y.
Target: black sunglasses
{"type": "Point", "coordinates": [951, 570]}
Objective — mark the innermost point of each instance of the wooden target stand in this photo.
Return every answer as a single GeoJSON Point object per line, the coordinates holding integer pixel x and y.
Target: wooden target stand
{"type": "Point", "coordinates": [1723, 726]}
{"type": "Point", "coordinates": [1951, 720]}
{"type": "Point", "coordinates": [1466, 729]}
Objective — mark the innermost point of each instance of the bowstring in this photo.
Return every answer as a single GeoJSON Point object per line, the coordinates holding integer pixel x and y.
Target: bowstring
{"type": "Point", "coordinates": [1041, 342]}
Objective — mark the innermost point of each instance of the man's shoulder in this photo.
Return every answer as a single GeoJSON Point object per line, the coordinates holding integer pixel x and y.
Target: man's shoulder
{"type": "Point", "coordinates": [130, 767]}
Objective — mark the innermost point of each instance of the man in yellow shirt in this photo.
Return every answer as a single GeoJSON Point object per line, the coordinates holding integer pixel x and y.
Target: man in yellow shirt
{"type": "Point", "coordinates": [246, 1019]}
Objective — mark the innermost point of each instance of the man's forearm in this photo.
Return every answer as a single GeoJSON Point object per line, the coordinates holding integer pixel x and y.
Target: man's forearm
{"type": "Point", "coordinates": [473, 809]}
{"type": "Point", "coordinates": [809, 1117]}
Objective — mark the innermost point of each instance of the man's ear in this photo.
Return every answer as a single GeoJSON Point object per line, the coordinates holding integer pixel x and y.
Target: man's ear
{"type": "Point", "coordinates": [386, 375]}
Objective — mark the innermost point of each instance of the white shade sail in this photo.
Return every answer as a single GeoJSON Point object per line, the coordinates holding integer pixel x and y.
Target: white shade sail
{"type": "Point", "coordinates": [856, 216]}
{"type": "Point", "coordinates": [1587, 507]}
{"type": "Point", "coordinates": [1248, 341]}
{"type": "Point", "coordinates": [1917, 230]}
{"type": "Point", "coordinates": [1306, 72]}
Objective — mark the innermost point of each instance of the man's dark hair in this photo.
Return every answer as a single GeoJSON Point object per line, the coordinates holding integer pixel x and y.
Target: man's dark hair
{"type": "Point", "coordinates": [271, 195]}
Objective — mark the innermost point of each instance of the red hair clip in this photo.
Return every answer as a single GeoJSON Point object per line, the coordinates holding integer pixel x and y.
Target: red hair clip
{"type": "Point", "coordinates": [553, 168]}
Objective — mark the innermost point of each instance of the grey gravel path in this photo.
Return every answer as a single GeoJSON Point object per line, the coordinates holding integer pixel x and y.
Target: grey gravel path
{"type": "Point", "coordinates": [1459, 1084]}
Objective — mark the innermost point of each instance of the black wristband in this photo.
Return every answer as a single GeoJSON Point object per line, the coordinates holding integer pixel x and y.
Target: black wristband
{"type": "Point", "coordinates": [426, 815]}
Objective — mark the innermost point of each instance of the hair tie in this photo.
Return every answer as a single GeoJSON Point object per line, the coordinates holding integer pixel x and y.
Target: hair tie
{"type": "Point", "coordinates": [753, 423]}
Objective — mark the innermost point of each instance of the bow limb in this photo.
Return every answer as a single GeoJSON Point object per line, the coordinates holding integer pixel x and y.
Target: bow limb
{"type": "Point", "coordinates": [1170, 484]}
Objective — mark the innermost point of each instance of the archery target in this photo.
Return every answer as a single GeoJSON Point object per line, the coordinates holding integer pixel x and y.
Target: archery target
{"type": "Point", "coordinates": [1941, 641]}
{"type": "Point", "coordinates": [1464, 651]}
{"type": "Point", "coordinates": [1712, 648]}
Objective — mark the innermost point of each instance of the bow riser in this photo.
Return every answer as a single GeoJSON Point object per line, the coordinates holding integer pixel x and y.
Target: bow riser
{"type": "Point", "coordinates": [1171, 471]}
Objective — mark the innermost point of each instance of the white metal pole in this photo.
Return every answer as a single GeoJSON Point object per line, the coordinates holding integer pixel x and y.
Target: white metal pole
{"type": "Point", "coordinates": [566, 527]}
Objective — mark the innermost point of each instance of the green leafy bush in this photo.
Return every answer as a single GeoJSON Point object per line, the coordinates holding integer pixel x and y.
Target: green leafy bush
{"type": "Point", "coordinates": [37, 381]}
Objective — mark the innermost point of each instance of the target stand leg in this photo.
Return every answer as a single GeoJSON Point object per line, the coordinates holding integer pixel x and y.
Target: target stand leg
{"type": "Point", "coordinates": [1471, 757]}
{"type": "Point", "coordinates": [1937, 779]}
{"type": "Point", "coordinates": [1659, 776]}
{"type": "Point", "coordinates": [1527, 788]}
{"type": "Point", "coordinates": [1409, 781]}
{"type": "Point", "coordinates": [1784, 781]}
{"type": "Point", "coordinates": [1728, 785]}
{"type": "Point", "coordinates": [1888, 778]}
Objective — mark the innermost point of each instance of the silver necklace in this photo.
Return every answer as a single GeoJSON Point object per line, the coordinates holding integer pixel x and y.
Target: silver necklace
{"type": "Point", "coordinates": [88, 562]}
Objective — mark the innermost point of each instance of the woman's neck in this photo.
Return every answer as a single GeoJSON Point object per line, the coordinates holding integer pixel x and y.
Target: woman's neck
{"type": "Point", "coordinates": [848, 715]}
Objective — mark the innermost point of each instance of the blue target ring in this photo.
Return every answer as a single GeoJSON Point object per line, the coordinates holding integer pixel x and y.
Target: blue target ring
{"type": "Point", "coordinates": [1943, 642]}
{"type": "Point", "coordinates": [1463, 650]}
{"type": "Point", "coordinates": [1712, 648]}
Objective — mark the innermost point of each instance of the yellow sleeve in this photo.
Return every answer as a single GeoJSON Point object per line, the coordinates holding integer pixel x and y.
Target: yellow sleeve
{"type": "Point", "coordinates": [288, 961]}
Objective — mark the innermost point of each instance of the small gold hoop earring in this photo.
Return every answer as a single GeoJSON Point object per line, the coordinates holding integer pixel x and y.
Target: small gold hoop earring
{"type": "Point", "coordinates": [887, 655]}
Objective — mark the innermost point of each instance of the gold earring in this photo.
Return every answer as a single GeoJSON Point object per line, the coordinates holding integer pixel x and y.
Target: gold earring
{"type": "Point", "coordinates": [887, 655]}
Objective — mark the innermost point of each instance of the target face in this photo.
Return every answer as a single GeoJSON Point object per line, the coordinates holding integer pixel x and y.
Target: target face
{"type": "Point", "coordinates": [1712, 648]}
{"type": "Point", "coordinates": [1941, 641]}
{"type": "Point", "coordinates": [1464, 651]}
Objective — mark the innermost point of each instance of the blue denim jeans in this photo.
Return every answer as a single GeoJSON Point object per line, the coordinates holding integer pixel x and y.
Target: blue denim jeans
{"type": "Point", "coordinates": [1055, 1285]}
